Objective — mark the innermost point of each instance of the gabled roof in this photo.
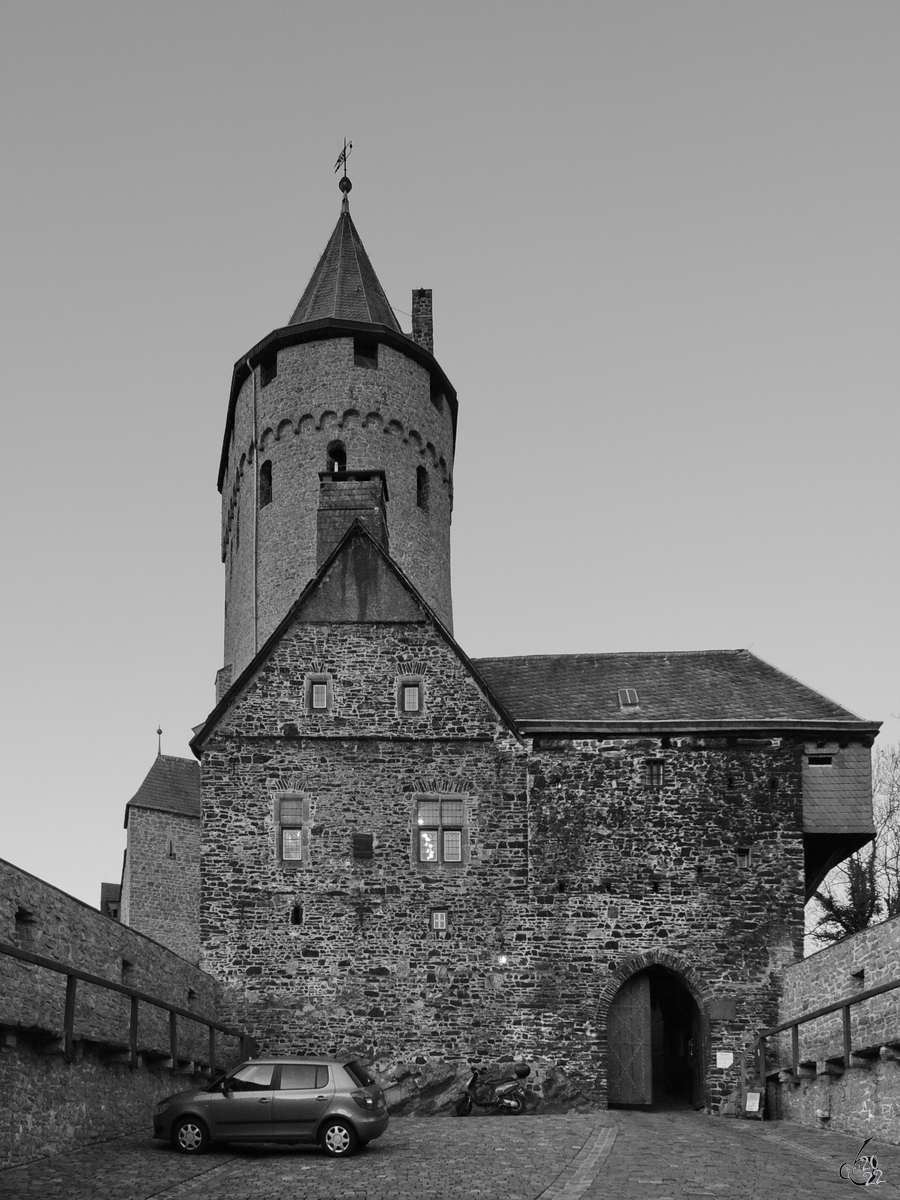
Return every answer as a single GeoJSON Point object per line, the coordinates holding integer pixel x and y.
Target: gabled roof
{"type": "Point", "coordinates": [344, 285]}
{"type": "Point", "coordinates": [314, 603]}
{"type": "Point", "coordinates": [171, 785]}
{"type": "Point", "coordinates": [707, 689]}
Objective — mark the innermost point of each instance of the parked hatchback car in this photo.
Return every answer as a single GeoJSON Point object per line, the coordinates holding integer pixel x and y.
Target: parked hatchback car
{"type": "Point", "coordinates": [334, 1102]}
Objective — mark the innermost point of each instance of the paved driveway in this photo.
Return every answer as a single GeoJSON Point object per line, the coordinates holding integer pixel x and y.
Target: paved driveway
{"type": "Point", "coordinates": [626, 1155]}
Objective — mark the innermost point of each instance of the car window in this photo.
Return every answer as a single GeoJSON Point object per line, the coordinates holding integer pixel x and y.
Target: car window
{"type": "Point", "coordinates": [296, 1076]}
{"type": "Point", "coordinates": [358, 1073]}
{"type": "Point", "coordinates": [256, 1077]}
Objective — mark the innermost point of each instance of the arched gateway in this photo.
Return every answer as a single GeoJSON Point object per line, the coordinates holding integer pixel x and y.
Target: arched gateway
{"type": "Point", "coordinates": [655, 1021]}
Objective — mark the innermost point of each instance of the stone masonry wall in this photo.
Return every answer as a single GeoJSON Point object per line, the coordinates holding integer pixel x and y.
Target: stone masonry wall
{"type": "Point", "coordinates": [864, 1100]}
{"type": "Point", "coordinates": [577, 872]}
{"type": "Point", "coordinates": [386, 419]}
{"type": "Point", "coordinates": [162, 874]}
{"type": "Point", "coordinates": [625, 873]}
{"type": "Point", "coordinates": [34, 1080]}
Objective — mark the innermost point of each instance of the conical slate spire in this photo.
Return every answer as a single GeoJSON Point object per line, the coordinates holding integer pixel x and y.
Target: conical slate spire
{"type": "Point", "coordinates": [344, 284]}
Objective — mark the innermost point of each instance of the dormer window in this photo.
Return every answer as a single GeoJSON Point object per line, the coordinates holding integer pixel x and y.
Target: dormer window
{"type": "Point", "coordinates": [628, 698]}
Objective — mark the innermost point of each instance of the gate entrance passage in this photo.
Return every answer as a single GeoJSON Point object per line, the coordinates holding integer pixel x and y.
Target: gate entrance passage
{"type": "Point", "coordinates": [655, 1043]}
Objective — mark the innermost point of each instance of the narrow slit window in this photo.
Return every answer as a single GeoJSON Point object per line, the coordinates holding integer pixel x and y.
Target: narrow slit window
{"type": "Point", "coordinates": [265, 484]}
{"type": "Point", "coordinates": [422, 488]}
{"type": "Point", "coordinates": [742, 857]}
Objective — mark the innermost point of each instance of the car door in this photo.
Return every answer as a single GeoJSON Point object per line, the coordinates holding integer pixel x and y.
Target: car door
{"type": "Point", "coordinates": [243, 1109]}
{"type": "Point", "coordinates": [300, 1100]}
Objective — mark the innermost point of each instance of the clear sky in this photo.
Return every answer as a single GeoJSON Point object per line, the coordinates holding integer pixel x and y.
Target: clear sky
{"type": "Point", "coordinates": [663, 243]}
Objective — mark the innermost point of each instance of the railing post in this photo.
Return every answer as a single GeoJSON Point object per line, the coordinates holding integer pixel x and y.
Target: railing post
{"type": "Point", "coordinates": [212, 1049]}
{"type": "Point", "coordinates": [173, 1039]}
{"type": "Point", "coordinates": [845, 1014]}
{"type": "Point", "coordinates": [795, 1050]}
{"type": "Point", "coordinates": [762, 1062]}
{"type": "Point", "coordinates": [69, 1019]}
{"type": "Point", "coordinates": [133, 1034]}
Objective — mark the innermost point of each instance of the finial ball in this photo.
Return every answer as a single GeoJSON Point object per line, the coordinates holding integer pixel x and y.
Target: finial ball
{"type": "Point", "coordinates": [344, 184]}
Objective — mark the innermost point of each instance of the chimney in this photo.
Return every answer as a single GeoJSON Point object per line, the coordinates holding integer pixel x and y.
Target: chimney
{"type": "Point", "coordinates": [422, 319]}
{"type": "Point", "coordinates": [347, 496]}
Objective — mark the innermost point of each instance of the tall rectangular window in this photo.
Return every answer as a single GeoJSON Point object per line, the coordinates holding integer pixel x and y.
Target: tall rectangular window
{"type": "Point", "coordinates": [318, 693]}
{"type": "Point", "coordinates": [440, 830]}
{"type": "Point", "coordinates": [411, 697]}
{"type": "Point", "coordinates": [655, 773]}
{"type": "Point", "coordinates": [292, 818]}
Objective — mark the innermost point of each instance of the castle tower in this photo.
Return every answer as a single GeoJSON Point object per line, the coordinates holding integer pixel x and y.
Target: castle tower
{"type": "Point", "coordinates": [339, 410]}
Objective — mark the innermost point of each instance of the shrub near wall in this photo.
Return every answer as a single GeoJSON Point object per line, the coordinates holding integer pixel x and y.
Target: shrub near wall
{"type": "Point", "coordinates": [47, 1104]}
{"type": "Point", "coordinates": [865, 1099]}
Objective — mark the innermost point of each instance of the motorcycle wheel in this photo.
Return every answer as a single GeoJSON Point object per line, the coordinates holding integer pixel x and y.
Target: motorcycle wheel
{"type": "Point", "coordinates": [513, 1104]}
{"type": "Point", "coordinates": [463, 1105]}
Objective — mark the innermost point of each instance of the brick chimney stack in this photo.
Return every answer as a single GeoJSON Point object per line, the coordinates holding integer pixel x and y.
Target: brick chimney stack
{"type": "Point", "coordinates": [345, 496]}
{"type": "Point", "coordinates": [423, 319]}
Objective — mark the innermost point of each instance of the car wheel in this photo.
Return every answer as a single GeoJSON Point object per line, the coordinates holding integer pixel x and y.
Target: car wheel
{"type": "Point", "coordinates": [190, 1136]}
{"type": "Point", "coordinates": [339, 1139]}
{"type": "Point", "coordinates": [463, 1105]}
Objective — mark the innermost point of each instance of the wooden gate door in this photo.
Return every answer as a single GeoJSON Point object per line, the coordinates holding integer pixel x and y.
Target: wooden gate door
{"type": "Point", "coordinates": [628, 1035]}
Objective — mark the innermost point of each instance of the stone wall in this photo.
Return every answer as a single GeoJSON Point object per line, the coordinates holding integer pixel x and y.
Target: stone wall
{"type": "Point", "coordinates": [865, 1099]}
{"type": "Point", "coordinates": [577, 869]}
{"type": "Point", "coordinates": [34, 1079]}
{"type": "Point", "coordinates": [387, 420]}
{"type": "Point", "coordinates": [161, 896]}
{"type": "Point", "coordinates": [856, 964]}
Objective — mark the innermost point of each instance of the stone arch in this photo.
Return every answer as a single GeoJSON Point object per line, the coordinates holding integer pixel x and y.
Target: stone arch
{"type": "Point", "coordinates": [268, 436]}
{"type": "Point", "coordinates": [653, 958]}
{"type": "Point", "coordinates": [696, 987]}
{"type": "Point", "coordinates": [328, 417]}
{"type": "Point", "coordinates": [284, 427]}
{"type": "Point", "coordinates": [350, 418]}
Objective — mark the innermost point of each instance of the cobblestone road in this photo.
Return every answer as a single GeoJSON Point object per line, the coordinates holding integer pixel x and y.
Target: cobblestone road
{"type": "Point", "coordinates": [626, 1155]}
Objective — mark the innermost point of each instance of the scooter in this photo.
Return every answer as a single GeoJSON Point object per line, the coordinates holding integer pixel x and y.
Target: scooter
{"type": "Point", "coordinates": [503, 1094]}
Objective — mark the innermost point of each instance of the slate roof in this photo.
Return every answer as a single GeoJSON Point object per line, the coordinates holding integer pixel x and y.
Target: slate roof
{"type": "Point", "coordinates": [171, 785]}
{"type": "Point", "coordinates": [344, 284]}
{"type": "Point", "coordinates": [682, 689]}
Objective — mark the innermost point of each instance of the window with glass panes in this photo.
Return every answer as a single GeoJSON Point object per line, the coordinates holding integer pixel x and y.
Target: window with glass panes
{"type": "Point", "coordinates": [290, 822]}
{"type": "Point", "coordinates": [318, 693]}
{"type": "Point", "coordinates": [440, 828]}
{"type": "Point", "coordinates": [411, 696]}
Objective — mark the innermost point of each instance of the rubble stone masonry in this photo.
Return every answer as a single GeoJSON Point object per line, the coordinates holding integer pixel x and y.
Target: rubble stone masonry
{"type": "Point", "coordinates": [575, 871]}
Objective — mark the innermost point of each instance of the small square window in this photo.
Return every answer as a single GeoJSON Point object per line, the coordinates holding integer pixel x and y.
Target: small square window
{"type": "Point", "coordinates": [318, 693]}
{"type": "Point", "coordinates": [655, 773]}
{"type": "Point", "coordinates": [628, 698]}
{"type": "Point", "coordinates": [411, 697]}
{"type": "Point", "coordinates": [439, 920]}
{"type": "Point", "coordinates": [742, 857]}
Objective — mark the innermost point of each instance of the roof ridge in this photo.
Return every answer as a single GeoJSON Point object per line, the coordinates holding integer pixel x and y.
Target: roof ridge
{"type": "Point", "coordinates": [608, 654]}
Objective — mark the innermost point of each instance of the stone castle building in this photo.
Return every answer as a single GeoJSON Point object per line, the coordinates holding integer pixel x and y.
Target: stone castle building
{"type": "Point", "coordinates": [595, 862]}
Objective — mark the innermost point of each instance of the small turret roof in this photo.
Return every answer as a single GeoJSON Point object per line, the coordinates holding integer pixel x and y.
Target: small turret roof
{"type": "Point", "coordinates": [171, 785]}
{"type": "Point", "coordinates": [344, 284]}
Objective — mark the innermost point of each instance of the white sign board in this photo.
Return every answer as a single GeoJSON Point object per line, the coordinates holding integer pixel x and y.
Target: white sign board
{"type": "Point", "coordinates": [752, 1104]}
{"type": "Point", "coordinates": [724, 1058]}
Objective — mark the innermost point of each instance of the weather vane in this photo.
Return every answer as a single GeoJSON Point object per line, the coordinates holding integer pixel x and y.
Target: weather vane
{"type": "Point", "coordinates": [345, 185]}
{"type": "Point", "coordinates": [342, 158]}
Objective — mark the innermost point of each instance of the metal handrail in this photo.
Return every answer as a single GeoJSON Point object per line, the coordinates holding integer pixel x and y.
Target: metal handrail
{"type": "Point", "coordinates": [73, 975]}
{"type": "Point", "coordinates": [794, 1025]}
